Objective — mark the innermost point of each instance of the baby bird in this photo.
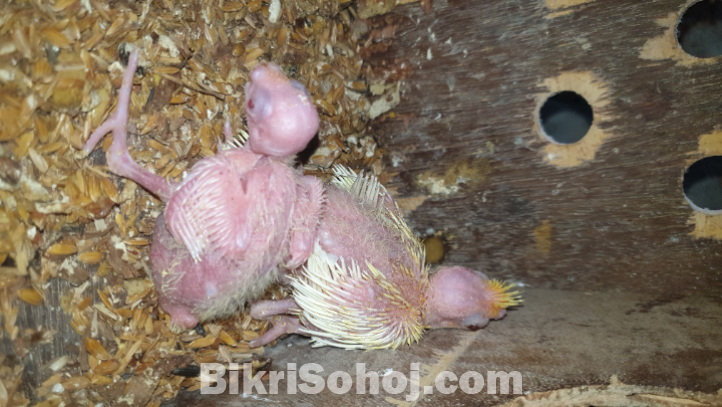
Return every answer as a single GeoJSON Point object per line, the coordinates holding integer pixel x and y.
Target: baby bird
{"type": "Point", "coordinates": [237, 218]}
{"type": "Point", "coordinates": [366, 285]}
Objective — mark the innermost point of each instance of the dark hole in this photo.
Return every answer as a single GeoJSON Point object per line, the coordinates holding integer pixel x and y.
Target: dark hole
{"type": "Point", "coordinates": [703, 183]}
{"type": "Point", "coordinates": [566, 117]}
{"type": "Point", "coordinates": [9, 262]}
{"type": "Point", "coordinates": [700, 30]}
{"type": "Point", "coordinates": [304, 157]}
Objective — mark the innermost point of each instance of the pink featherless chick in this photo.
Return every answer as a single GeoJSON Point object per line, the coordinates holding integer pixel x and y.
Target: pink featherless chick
{"type": "Point", "coordinates": [237, 218]}
{"type": "Point", "coordinates": [366, 285]}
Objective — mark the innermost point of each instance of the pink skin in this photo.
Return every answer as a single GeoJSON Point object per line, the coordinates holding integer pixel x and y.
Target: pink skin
{"type": "Point", "coordinates": [460, 298]}
{"type": "Point", "coordinates": [239, 217]}
{"type": "Point", "coordinates": [281, 116]}
{"type": "Point", "coordinates": [456, 297]}
{"type": "Point", "coordinates": [347, 230]}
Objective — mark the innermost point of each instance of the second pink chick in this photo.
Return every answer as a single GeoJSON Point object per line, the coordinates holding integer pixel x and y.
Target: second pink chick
{"type": "Point", "coordinates": [366, 285]}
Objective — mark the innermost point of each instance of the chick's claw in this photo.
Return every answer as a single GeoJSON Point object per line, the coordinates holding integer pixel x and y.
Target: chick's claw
{"type": "Point", "coordinates": [282, 325]}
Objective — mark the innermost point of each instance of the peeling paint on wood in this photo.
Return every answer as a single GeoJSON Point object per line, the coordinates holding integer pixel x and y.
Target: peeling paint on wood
{"type": "Point", "coordinates": [666, 46]}
{"type": "Point", "coordinates": [558, 14]}
{"type": "Point", "coordinates": [710, 144]}
{"type": "Point", "coordinates": [561, 4]}
{"type": "Point", "coordinates": [409, 204]}
{"type": "Point", "coordinates": [706, 226]}
{"type": "Point", "coordinates": [543, 237]}
{"type": "Point", "coordinates": [472, 172]}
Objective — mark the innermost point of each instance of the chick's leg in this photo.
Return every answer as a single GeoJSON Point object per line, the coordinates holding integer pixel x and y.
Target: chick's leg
{"type": "Point", "coordinates": [119, 160]}
{"type": "Point", "coordinates": [181, 318]}
{"type": "Point", "coordinates": [307, 213]}
{"type": "Point", "coordinates": [265, 309]}
{"type": "Point", "coordinates": [281, 326]}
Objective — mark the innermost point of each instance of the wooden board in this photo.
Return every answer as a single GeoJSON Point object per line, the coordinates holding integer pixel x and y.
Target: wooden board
{"type": "Point", "coordinates": [465, 156]}
{"type": "Point", "coordinates": [559, 339]}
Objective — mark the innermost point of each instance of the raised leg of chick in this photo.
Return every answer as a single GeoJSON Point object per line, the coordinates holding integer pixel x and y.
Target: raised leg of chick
{"type": "Point", "coordinates": [237, 218]}
{"type": "Point", "coordinates": [366, 285]}
{"type": "Point", "coordinates": [119, 160]}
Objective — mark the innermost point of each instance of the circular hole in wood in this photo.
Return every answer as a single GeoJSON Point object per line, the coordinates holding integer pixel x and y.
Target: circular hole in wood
{"type": "Point", "coordinates": [703, 185]}
{"type": "Point", "coordinates": [565, 117]}
{"type": "Point", "coordinates": [699, 31]}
